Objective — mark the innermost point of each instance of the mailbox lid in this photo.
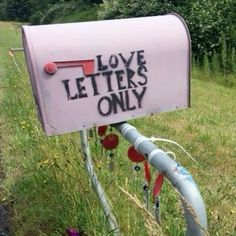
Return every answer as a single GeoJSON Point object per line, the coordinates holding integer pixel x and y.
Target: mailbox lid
{"type": "Point", "coordinates": [107, 71]}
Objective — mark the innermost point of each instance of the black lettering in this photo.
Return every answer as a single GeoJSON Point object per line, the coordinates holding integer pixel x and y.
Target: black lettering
{"type": "Point", "coordinates": [108, 74]}
{"type": "Point", "coordinates": [140, 57]}
{"type": "Point", "coordinates": [127, 62]}
{"type": "Point", "coordinates": [113, 61]}
{"type": "Point", "coordinates": [119, 77]}
{"type": "Point", "coordinates": [139, 96]}
{"type": "Point", "coordinates": [101, 67]}
{"type": "Point", "coordinates": [118, 101]}
{"type": "Point", "coordinates": [130, 74]}
{"type": "Point", "coordinates": [141, 74]}
{"type": "Point", "coordinates": [102, 107]}
{"type": "Point", "coordinates": [128, 102]}
{"type": "Point", "coordinates": [94, 83]}
{"type": "Point", "coordinates": [67, 89]}
{"type": "Point", "coordinates": [81, 88]}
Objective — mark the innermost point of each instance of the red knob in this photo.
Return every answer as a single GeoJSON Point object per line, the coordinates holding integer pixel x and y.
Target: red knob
{"type": "Point", "coordinates": [50, 68]}
{"type": "Point", "coordinates": [134, 155]}
{"type": "Point", "coordinates": [110, 142]}
{"type": "Point", "coordinates": [102, 130]}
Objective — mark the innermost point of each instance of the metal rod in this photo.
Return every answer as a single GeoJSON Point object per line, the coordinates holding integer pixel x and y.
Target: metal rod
{"type": "Point", "coordinates": [194, 207]}
{"type": "Point", "coordinates": [114, 227]}
{"type": "Point", "coordinates": [16, 49]}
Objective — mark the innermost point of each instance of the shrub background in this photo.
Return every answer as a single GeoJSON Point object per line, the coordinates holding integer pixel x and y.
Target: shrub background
{"type": "Point", "coordinates": [212, 23]}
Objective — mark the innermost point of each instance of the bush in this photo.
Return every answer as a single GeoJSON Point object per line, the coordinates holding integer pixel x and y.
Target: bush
{"type": "Point", "coordinates": [123, 9]}
{"type": "Point", "coordinates": [15, 10]}
{"type": "Point", "coordinates": [207, 20]}
{"type": "Point", "coordinates": [2, 11]}
{"type": "Point", "coordinates": [56, 10]}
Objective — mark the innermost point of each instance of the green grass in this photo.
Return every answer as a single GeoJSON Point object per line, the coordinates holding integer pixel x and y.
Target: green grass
{"type": "Point", "coordinates": [225, 79]}
{"type": "Point", "coordinates": [46, 183]}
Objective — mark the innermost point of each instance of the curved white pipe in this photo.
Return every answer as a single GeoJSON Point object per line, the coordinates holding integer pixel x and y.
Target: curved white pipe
{"type": "Point", "coordinates": [194, 207]}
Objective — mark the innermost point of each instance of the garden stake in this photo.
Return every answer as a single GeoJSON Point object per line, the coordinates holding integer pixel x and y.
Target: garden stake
{"type": "Point", "coordinates": [156, 198]}
{"type": "Point", "coordinates": [147, 174]}
{"type": "Point", "coordinates": [110, 142]}
{"type": "Point", "coordinates": [157, 210]}
{"type": "Point", "coordinates": [146, 195]}
{"type": "Point", "coordinates": [97, 185]}
{"type": "Point", "coordinates": [111, 164]}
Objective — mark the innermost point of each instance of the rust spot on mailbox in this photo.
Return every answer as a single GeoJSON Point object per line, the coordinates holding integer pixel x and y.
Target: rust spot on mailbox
{"type": "Point", "coordinates": [97, 73]}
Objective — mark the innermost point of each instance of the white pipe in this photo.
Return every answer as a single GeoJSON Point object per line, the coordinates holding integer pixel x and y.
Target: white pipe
{"type": "Point", "coordinates": [97, 185]}
{"type": "Point", "coordinates": [194, 207]}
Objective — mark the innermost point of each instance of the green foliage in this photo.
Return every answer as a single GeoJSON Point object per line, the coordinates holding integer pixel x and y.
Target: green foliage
{"type": "Point", "coordinates": [41, 12]}
{"type": "Point", "coordinates": [16, 10]}
{"type": "Point", "coordinates": [224, 55]}
{"type": "Point", "coordinates": [207, 20]}
{"type": "Point", "coordinates": [123, 9]}
{"type": "Point", "coordinates": [22, 10]}
{"type": "Point", "coordinates": [206, 64]}
{"type": "Point", "coordinates": [56, 10]}
{"type": "Point", "coordinates": [215, 65]}
{"type": "Point", "coordinates": [233, 61]}
{"type": "Point", "coordinates": [72, 11]}
{"type": "Point", "coordinates": [3, 15]}
{"type": "Point", "coordinates": [89, 14]}
{"type": "Point", "coordinates": [222, 63]}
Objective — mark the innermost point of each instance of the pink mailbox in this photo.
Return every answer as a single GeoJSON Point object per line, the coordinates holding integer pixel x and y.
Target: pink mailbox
{"type": "Point", "coordinates": [96, 73]}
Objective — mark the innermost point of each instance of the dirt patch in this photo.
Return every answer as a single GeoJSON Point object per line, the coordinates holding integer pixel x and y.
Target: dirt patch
{"type": "Point", "coordinates": [4, 208]}
{"type": "Point", "coordinates": [4, 24]}
{"type": "Point", "coordinates": [4, 220]}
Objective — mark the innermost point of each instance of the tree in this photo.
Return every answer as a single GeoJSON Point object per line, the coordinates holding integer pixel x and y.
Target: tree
{"type": "Point", "coordinates": [207, 20]}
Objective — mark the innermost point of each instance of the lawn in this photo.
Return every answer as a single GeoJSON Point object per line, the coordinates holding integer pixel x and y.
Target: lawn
{"type": "Point", "coordinates": [46, 184]}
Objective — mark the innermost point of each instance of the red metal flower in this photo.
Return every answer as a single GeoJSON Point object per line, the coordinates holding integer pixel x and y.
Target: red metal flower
{"type": "Point", "coordinates": [134, 155]}
{"type": "Point", "coordinates": [158, 185]}
{"type": "Point", "coordinates": [102, 130]}
{"type": "Point", "coordinates": [147, 172]}
{"type": "Point", "coordinates": [110, 142]}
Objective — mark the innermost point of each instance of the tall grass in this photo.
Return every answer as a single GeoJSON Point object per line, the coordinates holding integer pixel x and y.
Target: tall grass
{"type": "Point", "coordinates": [47, 186]}
{"type": "Point", "coordinates": [219, 67]}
